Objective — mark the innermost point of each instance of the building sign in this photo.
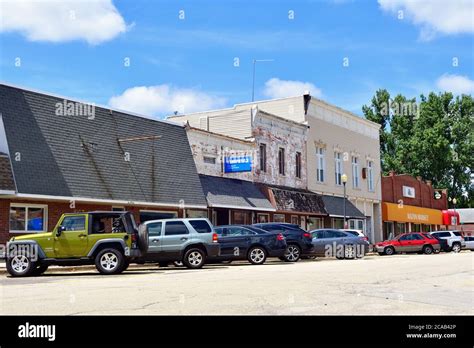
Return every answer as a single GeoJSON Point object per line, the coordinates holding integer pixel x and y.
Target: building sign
{"type": "Point", "coordinates": [409, 213]}
{"type": "Point", "coordinates": [234, 164]}
{"type": "Point", "coordinates": [437, 195]}
{"type": "Point", "coordinates": [408, 191]}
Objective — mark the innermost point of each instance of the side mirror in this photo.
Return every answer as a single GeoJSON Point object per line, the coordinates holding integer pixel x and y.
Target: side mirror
{"type": "Point", "coordinates": [60, 230]}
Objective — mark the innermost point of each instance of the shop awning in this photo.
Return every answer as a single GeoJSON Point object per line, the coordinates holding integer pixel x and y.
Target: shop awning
{"type": "Point", "coordinates": [410, 213]}
{"type": "Point", "coordinates": [234, 194]}
{"type": "Point", "coordinates": [335, 207]}
{"type": "Point", "coordinates": [295, 200]}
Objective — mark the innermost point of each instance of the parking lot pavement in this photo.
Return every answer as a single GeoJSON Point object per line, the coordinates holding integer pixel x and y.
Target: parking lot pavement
{"type": "Point", "coordinates": [399, 284]}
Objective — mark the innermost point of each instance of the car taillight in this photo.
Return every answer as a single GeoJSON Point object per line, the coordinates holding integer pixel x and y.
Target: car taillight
{"type": "Point", "coordinates": [214, 237]}
{"type": "Point", "coordinates": [280, 237]}
{"type": "Point", "coordinates": [307, 235]}
{"type": "Point", "coordinates": [134, 238]}
{"type": "Point", "coordinates": [365, 238]}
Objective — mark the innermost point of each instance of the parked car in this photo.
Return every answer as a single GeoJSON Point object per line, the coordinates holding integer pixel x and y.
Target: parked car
{"type": "Point", "coordinates": [454, 238]}
{"type": "Point", "coordinates": [443, 243]}
{"type": "Point", "coordinates": [190, 241]}
{"type": "Point", "coordinates": [110, 240]}
{"type": "Point", "coordinates": [241, 242]}
{"type": "Point", "coordinates": [469, 240]}
{"type": "Point", "coordinates": [299, 241]}
{"type": "Point", "coordinates": [340, 244]}
{"type": "Point", "coordinates": [409, 242]}
{"type": "Point", "coordinates": [357, 233]}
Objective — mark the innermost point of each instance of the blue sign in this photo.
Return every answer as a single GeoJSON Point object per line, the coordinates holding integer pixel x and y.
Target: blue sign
{"type": "Point", "coordinates": [236, 164]}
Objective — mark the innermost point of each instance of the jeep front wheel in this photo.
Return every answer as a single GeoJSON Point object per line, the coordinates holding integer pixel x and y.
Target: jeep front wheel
{"type": "Point", "coordinates": [109, 261]}
{"type": "Point", "coordinates": [20, 266]}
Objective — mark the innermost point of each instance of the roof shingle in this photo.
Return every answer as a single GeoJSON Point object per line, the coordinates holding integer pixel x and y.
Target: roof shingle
{"type": "Point", "coordinates": [80, 156]}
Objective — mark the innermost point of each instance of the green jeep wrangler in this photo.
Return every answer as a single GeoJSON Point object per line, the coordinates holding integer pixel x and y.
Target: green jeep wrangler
{"type": "Point", "coordinates": [110, 240]}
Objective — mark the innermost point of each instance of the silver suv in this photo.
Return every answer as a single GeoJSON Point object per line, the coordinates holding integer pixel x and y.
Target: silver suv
{"type": "Point", "coordinates": [454, 239]}
{"type": "Point", "coordinates": [189, 241]}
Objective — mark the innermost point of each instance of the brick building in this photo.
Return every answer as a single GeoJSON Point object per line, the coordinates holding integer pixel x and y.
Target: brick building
{"type": "Point", "coordinates": [411, 205]}
{"type": "Point", "coordinates": [270, 181]}
{"type": "Point", "coordinates": [54, 161]}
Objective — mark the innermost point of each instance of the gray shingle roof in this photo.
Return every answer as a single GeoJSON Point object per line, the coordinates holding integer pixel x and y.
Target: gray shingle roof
{"type": "Point", "coordinates": [80, 157]}
{"type": "Point", "coordinates": [226, 192]}
{"type": "Point", "coordinates": [335, 206]}
{"type": "Point", "coordinates": [6, 176]}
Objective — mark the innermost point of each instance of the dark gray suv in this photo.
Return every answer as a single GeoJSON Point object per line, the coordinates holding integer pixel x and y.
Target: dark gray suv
{"type": "Point", "coordinates": [190, 241]}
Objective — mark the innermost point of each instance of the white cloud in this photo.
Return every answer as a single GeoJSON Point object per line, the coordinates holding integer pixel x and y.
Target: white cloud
{"type": "Point", "coordinates": [94, 21]}
{"type": "Point", "coordinates": [164, 100]}
{"type": "Point", "coordinates": [276, 88]}
{"type": "Point", "coordinates": [435, 16]}
{"type": "Point", "coordinates": [455, 84]}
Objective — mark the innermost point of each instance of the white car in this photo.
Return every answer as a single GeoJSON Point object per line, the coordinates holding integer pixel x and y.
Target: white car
{"type": "Point", "coordinates": [469, 242]}
{"type": "Point", "coordinates": [454, 238]}
{"type": "Point", "coordinates": [357, 233]}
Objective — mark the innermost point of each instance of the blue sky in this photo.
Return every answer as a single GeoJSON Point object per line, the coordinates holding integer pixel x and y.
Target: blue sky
{"type": "Point", "coordinates": [78, 49]}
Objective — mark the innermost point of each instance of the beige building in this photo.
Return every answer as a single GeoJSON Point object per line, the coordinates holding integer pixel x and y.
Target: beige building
{"type": "Point", "coordinates": [337, 142]}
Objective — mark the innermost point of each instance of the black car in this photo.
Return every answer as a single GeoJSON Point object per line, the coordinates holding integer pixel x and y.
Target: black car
{"type": "Point", "coordinates": [241, 242]}
{"type": "Point", "coordinates": [298, 240]}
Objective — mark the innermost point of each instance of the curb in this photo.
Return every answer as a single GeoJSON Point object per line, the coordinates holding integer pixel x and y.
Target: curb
{"type": "Point", "coordinates": [63, 269]}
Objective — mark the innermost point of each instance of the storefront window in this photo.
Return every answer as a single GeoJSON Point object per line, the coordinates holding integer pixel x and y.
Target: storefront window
{"type": "Point", "coordinates": [27, 218]}
{"type": "Point", "coordinates": [415, 227]}
{"type": "Point", "coordinates": [426, 228]}
{"type": "Point", "coordinates": [278, 217]}
{"type": "Point", "coordinates": [303, 223]}
{"type": "Point", "coordinates": [400, 228]}
{"type": "Point", "coordinates": [295, 220]}
{"type": "Point", "coordinates": [314, 223]}
{"type": "Point", "coordinates": [263, 218]}
{"type": "Point", "coordinates": [241, 217]}
{"type": "Point", "coordinates": [157, 215]}
{"type": "Point", "coordinates": [388, 230]}
{"type": "Point", "coordinates": [194, 214]}
{"type": "Point", "coordinates": [356, 224]}
{"type": "Point", "coordinates": [337, 223]}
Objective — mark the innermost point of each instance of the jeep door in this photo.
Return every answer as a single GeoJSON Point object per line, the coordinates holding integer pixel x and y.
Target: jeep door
{"type": "Point", "coordinates": [155, 238]}
{"type": "Point", "coordinates": [73, 240]}
{"type": "Point", "coordinates": [175, 238]}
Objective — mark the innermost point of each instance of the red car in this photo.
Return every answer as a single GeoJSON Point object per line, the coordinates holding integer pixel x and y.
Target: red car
{"type": "Point", "coordinates": [409, 242]}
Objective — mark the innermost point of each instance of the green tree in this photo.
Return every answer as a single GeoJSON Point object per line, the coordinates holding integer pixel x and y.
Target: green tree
{"type": "Point", "coordinates": [433, 138]}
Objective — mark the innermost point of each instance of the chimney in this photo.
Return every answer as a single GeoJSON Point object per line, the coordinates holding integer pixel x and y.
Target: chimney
{"type": "Point", "coordinates": [306, 100]}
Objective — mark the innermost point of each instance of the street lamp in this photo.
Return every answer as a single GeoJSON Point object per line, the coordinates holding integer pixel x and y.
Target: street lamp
{"type": "Point", "coordinates": [454, 201]}
{"type": "Point", "coordinates": [344, 181]}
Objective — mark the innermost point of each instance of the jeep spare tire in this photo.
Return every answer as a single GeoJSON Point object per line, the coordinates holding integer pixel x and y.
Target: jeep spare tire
{"type": "Point", "coordinates": [143, 238]}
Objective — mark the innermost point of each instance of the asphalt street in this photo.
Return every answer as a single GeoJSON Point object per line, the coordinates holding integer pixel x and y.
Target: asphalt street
{"type": "Point", "coordinates": [399, 284]}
